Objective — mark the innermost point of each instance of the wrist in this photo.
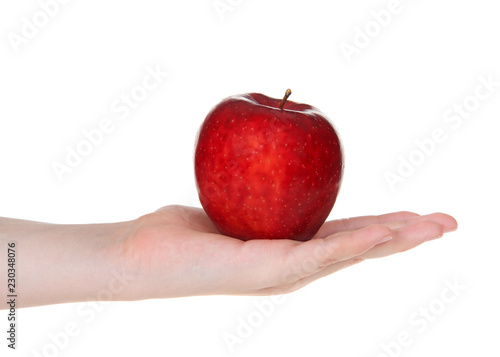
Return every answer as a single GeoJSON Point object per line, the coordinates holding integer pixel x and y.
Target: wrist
{"type": "Point", "coordinates": [120, 277]}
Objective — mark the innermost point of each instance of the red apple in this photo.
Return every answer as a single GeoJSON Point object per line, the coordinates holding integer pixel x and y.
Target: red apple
{"type": "Point", "coordinates": [267, 168]}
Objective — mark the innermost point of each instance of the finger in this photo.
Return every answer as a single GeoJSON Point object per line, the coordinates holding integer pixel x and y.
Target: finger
{"type": "Point", "coordinates": [349, 224]}
{"type": "Point", "coordinates": [307, 258]}
{"type": "Point", "coordinates": [407, 234]}
{"type": "Point", "coordinates": [296, 285]}
{"type": "Point", "coordinates": [406, 238]}
{"type": "Point", "coordinates": [446, 221]}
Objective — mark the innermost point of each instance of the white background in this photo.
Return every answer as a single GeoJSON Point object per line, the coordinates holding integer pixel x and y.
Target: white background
{"type": "Point", "coordinates": [425, 60]}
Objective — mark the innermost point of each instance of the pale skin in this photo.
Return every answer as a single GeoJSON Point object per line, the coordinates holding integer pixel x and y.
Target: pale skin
{"type": "Point", "coordinates": [176, 252]}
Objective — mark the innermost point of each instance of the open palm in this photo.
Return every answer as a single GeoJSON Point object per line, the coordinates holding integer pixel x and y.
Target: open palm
{"type": "Point", "coordinates": [177, 251]}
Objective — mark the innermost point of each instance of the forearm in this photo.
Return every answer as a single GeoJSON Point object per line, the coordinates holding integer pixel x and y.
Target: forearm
{"type": "Point", "coordinates": [60, 263]}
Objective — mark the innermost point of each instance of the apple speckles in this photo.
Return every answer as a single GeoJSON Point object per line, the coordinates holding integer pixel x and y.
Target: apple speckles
{"type": "Point", "coordinates": [272, 165]}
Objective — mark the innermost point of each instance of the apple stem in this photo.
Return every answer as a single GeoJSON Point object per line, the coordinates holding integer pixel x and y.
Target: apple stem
{"type": "Point", "coordinates": [287, 94]}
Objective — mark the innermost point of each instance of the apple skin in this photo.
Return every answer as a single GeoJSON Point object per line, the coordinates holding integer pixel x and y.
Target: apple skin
{"type": "Point", "coordinates": [267, 173]}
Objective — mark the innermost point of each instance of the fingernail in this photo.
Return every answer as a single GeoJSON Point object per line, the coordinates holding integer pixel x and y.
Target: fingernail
{"type": "Point", "coordinates": [384, 239]}
{"type": "Point", "coordinates": [436, 237]}
{"type": "Point", "coordinates": [450, 229]}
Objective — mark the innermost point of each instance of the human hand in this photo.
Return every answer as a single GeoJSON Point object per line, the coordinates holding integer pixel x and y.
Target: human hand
{"type": "Point", "coordinates": [176, 251]}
